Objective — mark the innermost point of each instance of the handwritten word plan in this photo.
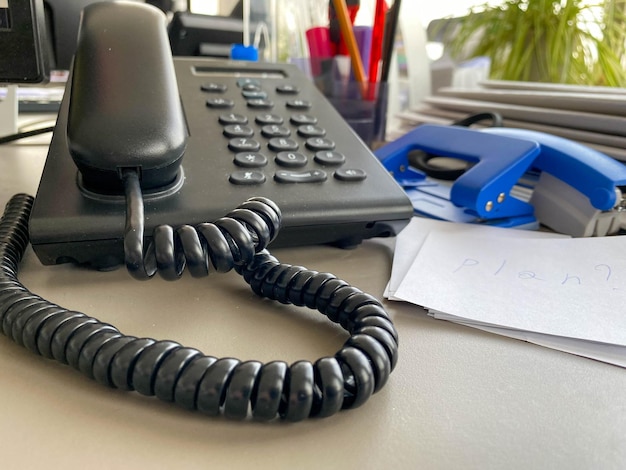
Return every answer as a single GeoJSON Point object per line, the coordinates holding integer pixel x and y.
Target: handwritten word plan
{"type": "Point", "coordinates": [563, 293]}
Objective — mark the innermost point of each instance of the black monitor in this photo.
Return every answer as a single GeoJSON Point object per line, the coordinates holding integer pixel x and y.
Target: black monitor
{"type": "Point", "coordinates": [204, 35]}
{"type": "Point", "coordinates": [23, 55]}
{"type": "Point", "coordinates": [63, 19]}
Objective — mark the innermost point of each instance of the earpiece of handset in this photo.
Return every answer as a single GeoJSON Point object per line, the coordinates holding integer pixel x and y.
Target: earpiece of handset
{"type": "Point", "coordinates": [124, 107]}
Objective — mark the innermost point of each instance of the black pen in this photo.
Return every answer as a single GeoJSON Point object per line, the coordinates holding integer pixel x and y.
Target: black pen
{"type": "Point", "coordinates": [390, 35]}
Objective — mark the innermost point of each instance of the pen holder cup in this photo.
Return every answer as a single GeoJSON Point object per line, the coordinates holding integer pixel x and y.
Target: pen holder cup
{"type": "Point", "coordinates": [367, 116]}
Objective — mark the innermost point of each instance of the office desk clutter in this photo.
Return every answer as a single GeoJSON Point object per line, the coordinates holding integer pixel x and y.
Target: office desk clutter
{"type": "Point", "coordinates": [471, 268]}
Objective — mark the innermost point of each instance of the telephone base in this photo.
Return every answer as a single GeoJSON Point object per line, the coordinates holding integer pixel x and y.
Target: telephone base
{"type": "Point", "coordinates": [68, 224]}
{"type": "Point", "coordinates": [108, 255]}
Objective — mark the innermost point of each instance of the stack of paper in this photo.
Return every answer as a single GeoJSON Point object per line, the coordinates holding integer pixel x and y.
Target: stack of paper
{"type": "Point", "coordinates": [590, 115]}
{"type": "Point", "coordinates": [564, 293]}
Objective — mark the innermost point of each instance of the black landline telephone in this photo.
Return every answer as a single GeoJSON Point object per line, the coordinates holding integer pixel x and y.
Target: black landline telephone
{"type": "Point", "coordinates": [228, 131]}
{"type": "Point", "coordinates": [134, 151]}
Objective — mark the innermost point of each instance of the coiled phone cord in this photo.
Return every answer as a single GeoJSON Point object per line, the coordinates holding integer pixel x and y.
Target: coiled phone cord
{"type": "Point", "coordinates": [186, 376]}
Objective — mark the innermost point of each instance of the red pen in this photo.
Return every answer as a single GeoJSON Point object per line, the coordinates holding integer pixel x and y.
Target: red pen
{"type": "Point", "coordinates": [377, 47]}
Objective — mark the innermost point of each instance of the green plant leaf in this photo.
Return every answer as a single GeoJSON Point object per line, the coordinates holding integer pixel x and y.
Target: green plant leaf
{"type": "Point", "coordinates": [567, 41]}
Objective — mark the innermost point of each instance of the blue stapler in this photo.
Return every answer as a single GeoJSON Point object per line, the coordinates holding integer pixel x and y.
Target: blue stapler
{"type": "Point", "coordinates": [519, 178]}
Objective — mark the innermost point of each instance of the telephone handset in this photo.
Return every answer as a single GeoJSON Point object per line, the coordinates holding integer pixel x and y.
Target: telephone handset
{"type": "Point", "coordinates": [124, 111]}
{"type": "Point", "coordinates": [145, 158]}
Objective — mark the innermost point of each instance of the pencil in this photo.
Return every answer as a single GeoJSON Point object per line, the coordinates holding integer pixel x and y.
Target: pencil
{"type": "Point", "coordinates": [341, 9]}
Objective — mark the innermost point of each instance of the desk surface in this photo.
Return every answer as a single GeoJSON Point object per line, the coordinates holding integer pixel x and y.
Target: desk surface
{"type": "Point", "coordinates": [459, 398]}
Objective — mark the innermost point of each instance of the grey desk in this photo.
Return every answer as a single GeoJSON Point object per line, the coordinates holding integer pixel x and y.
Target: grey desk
{"type": "Point", "coordinates": [459, 398]}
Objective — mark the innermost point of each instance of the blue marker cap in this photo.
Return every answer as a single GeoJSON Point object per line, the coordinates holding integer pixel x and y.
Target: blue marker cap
{"type": "Point", "coordinates": [241, 52]}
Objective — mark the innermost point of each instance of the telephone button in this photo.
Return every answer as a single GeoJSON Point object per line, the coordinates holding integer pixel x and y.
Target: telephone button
{"type": "Point", "coordinates": [302, 119]}
{"type": "Point", "coordinates": [310, 130]}
{"type": "Point", "coordinates": [246, 177]}
{"type": "Point", "coordinates": [238, 130]}
{"type": "Point", "coordinates": [282, 144]}
{"type": "Point", "coordinates": [233, 119]}
{"type": "Point", "coordinates": [220, 103]}
{"type": "Point", "coordinates": [243, 144]}
{"type": "Point", "coordinates": [256, 94]}
{"type": "Point", "coordinates": [272, 130]}
{"type": "Point", "coordinates": [308, 176]}
{"type": "Point", "coordinates": [291, 159]}
{"type": "Point", "coordinates": [248, 83]}
{"type": "Point", "coordinates": [268, 119]}
{"type": "Point", "coordinates": [250, 159]}
{"type": "Point", "coordinates": [319, 143]}
{"type": "Point", "coordinates": [350, 174]}
{"type": "Point", "coordinates": [298, 104]}
{"type": "Point", "coordinates": [330, 157]}
{"type": "Point", "coordinates": [213, 87]}
{"type": "Point", "coordinates": [259, 103]}
{"type": "Point", "coordinates": [288, 89]}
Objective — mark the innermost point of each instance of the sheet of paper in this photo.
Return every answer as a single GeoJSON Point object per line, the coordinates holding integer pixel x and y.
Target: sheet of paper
{"type": "Point", "coordinates": [410, 241]}
{"type": "Point", "coordinates": [573, 288]}
{"type": "Point", "coordinates": [609, 353]}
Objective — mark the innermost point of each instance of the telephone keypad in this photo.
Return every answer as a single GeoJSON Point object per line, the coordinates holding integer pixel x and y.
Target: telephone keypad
{"type": "Point", "coordinates": [245, 143]}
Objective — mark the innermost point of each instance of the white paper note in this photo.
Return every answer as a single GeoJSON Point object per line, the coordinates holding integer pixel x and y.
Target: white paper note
{"type": "Point", "coordinates": [409, 242]}
{"type": "Point", "coordinates": [574, 288]}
